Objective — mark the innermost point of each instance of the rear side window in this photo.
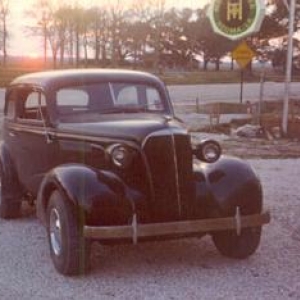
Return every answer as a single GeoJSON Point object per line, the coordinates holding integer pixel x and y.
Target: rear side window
{"type": "Point", "coordinates": [34, 106]}
{"type": "Point", "coordinates": [26, 104]}
{"type": "Point", "coordinates": [71, 100]}
{"type": "Point", "coordinates": [10, 105]}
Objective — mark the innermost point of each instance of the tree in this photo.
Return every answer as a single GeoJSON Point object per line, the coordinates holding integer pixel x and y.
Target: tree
{"type": "Point", "coordinates": [275, 26]}
{"type": "Point", "coordinates": [177, 50]}
{"type": "Point", "coordinates": [148, 32]}
{"type": "Point", "coordinates": [156, 38]}
{"type": "Point", "coordinates": [4, 13]}
{"type": "Point", "coordinates": [98, 17]}
{"type": "Point", "coordinates": [211, 46]}
{"type": "Point", "coordinates": [49, 25]}
{"type": "Point", "coordinates": [140, 21]}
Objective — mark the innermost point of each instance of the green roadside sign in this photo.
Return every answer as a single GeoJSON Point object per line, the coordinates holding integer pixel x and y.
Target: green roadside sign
{"type": "Point", "coordinates": [236, 19]}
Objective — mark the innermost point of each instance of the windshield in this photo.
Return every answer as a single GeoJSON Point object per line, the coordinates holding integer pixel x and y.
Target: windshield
{"type": "Point", "coordinates": [90, 101]}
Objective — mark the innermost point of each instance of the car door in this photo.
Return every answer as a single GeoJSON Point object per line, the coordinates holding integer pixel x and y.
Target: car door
{"type": "Point", "coordinates": [29, 138]}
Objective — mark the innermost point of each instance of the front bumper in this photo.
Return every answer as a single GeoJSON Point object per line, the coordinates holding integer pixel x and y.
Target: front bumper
{"type": "Point", "coordinates": [180, 228]}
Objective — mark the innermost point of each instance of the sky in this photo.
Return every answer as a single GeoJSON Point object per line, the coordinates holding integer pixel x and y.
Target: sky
{"type": "Point", "coordinates": [22, 44]}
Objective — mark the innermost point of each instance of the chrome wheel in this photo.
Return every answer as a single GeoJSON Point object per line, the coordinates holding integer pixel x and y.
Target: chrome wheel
{"type": "Point", "coordinates": [69, 250]}
{"type": "Point", "coordinates": [55, 232]}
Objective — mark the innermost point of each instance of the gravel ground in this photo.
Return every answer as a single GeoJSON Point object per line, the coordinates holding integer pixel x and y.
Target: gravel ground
{"type": "Point", "coordinates": [185, 269]}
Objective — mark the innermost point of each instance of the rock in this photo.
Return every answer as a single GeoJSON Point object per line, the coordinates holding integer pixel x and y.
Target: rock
{"type": "Point", "coordinates": [276, 131]}
{"type": "Point", "coordinates": [250, 131]}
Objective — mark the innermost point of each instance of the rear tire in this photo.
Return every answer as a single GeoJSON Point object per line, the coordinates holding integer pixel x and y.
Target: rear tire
{"type": "Point", "coordinates": [9, 208]}
{"type": "Point", "coordinates": [231, 245]}
{"type": "Point", "coordinates": [69, 250]}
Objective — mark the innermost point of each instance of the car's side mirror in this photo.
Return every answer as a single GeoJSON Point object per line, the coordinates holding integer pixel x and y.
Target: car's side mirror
{"type": "Point", "coordinates": [208, 151]}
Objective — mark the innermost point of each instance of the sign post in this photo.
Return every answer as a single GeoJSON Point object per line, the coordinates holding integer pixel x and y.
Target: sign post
{"type": "Point", "coordinates": [242, 86]}
{"type": "Point", "coordinates": [243, 54]}
{"type": "Point", "coordinates": [288, 75]}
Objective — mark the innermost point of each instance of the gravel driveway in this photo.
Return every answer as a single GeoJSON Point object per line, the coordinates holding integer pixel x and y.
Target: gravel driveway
{"type": "Point", "coordinates": [185, 269]}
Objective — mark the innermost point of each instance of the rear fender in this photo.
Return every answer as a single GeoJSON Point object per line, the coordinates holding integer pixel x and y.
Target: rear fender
{"type": "Point", "coordinates": [11, 186]}
{"type": "Point", "coordinates": [230, 182]}
{"type": "Point", "coordinates": [100, 194]}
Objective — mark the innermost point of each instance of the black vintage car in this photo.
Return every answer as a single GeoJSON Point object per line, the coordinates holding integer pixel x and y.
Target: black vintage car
{"type": "Point", "coordinates": [105, 159]}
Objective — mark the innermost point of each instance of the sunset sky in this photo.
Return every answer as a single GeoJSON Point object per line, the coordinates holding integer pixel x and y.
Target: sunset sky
{"type": "Point", "coordinates": [20, 43]}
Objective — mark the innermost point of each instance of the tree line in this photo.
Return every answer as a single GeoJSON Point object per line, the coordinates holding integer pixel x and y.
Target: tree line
{"type": "Point", "coordinates": [146, 34]}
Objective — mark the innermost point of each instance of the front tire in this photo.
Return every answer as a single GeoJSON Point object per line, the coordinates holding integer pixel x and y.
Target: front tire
{"type": "Point", "coordinates": [69, 250]}
{"type": "Point", "coordinates": [236, 246]}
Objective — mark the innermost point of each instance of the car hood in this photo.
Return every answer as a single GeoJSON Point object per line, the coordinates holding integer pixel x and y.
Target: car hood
{"type": "Point", "coordinates": [129, 127]}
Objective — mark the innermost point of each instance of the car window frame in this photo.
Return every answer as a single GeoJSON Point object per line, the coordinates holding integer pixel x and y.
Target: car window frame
{"type": "Point", "coordinates": [20, 106]}
{"type": "Point", "coordinates": [10, 100]}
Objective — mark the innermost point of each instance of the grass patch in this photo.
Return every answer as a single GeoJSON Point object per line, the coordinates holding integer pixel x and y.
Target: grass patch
{"type": "Point", "coordinates": [7, 74]}
{"type": "Point", "coordinates": [178, 78]}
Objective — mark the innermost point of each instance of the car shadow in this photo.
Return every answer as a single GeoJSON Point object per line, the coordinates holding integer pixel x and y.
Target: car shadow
{"type": "Point", "coordinates": [192, 253]}
{"type": "Point", "coordinates": [28, 211]}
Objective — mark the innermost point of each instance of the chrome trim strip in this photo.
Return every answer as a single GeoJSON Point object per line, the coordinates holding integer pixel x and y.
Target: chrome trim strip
{"type": "Point", "coordinates": [27, 130]}
{"type": "Point", "coordinates": [112, 94]}
{"type": "Point", "coordinates": [163, 132]}
{"type": "Point", "coordinates": [87, 137]}
{"type": "Point", "coordinates": [238, 221]}
{"type": "Point", "coordinates": [179, 199]}
{"type": "Point", "coordinates": [149, 175]}
{"type": "Point", "coordinates": [67, 135]}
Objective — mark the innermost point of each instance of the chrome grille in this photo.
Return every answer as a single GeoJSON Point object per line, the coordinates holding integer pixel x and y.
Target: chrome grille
{"type": "Point", "coordinates": [169, 160]}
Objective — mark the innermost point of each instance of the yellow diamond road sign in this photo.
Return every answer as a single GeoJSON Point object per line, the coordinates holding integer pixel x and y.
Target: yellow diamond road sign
{"type": "Point", "coordinates": [242, 54]}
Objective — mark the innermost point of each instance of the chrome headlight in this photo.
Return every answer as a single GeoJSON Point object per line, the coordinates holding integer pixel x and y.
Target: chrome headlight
{"type": "Point", "coordinates": [208, 151]}
{"type": "Point", "coordinates": [121, 155]}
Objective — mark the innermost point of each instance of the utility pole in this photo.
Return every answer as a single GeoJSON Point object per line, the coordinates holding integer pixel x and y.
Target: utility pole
{"type": "Point", "coordinates": [285, 115]}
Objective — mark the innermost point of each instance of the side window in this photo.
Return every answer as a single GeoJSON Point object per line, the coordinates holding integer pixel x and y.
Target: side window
{"type": "Point", "coordinates": [10, 112]}
{"type": "Point", "coordinates": [154, 101]}
{"type": "Point", "coordinates": [32, 106]}
{"type": "Point", "coordinates": [70, 100]}
{"type": "Point", "coordinates": [127, 96]}
{"type": "Point", "coordinates": [10, 105]}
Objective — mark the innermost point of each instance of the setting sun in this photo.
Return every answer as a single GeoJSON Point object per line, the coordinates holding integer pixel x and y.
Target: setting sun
{"type": "Point", "coordinates": [33, 55]}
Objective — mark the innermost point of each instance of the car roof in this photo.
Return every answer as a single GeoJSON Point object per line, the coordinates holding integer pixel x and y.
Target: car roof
{"type": "Point", "coordinates": [47, 79]}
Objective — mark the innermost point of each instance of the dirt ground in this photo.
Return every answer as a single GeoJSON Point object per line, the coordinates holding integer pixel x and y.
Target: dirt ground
{"type": "Point", "coordinates": [269, 144]}
{"type": "Point", "coordinates": [261, 148]}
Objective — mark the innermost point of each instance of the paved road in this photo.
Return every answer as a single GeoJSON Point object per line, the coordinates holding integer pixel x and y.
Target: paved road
{"type": "Point", "coordinates": [231, 92]}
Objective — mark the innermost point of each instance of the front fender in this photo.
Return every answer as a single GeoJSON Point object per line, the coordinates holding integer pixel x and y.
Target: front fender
{"type": "Point", "coordinates": [228, 183]}
{"type": "Point", "coordinates": [102, 195]}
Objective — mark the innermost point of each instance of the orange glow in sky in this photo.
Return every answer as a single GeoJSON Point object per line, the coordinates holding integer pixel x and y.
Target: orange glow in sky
{"type": "Point", "coordinates": [21, 43]}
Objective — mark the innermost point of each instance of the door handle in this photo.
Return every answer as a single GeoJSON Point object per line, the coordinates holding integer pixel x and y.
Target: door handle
{"type": "Point", "coordinates": [11, 134]}
{"type": "Point", "coordinates": [49, 137]}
